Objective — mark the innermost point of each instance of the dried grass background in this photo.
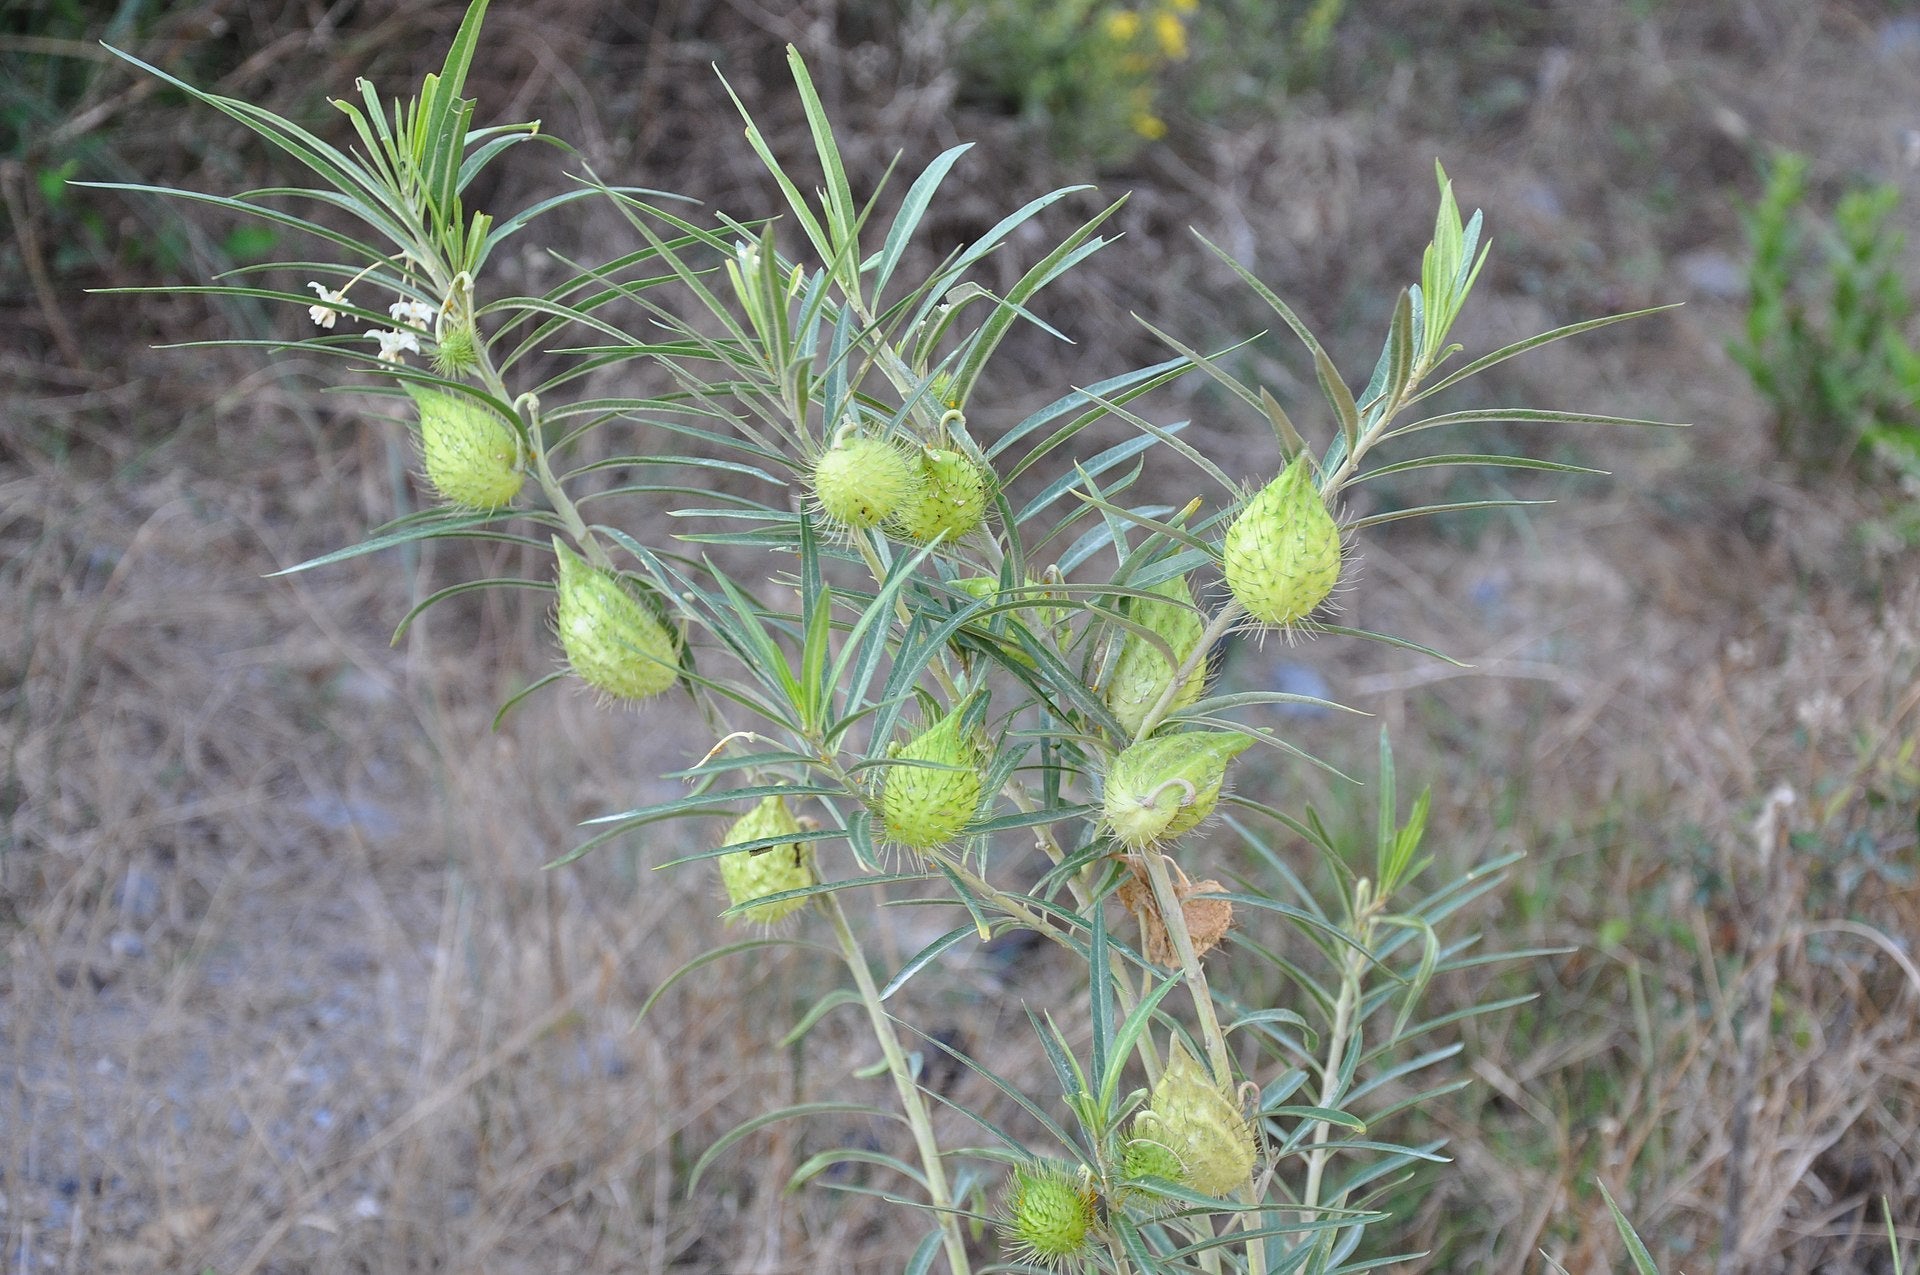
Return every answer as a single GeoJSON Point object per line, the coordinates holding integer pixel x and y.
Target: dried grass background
{"type": "Point", "coordinates": [283, 988]}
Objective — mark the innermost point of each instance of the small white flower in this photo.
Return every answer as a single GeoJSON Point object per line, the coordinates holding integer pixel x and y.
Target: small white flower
{"type": "Point", "coordinates": [407, 310]}
{"type": "Point", "coordinates": [324, 314]}
{"type": "Point", "coordinates": [392, 343]}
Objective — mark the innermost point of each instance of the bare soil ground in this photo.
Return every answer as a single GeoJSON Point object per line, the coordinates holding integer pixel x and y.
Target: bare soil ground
{"type": "Point", "coordinates": [283, 987]}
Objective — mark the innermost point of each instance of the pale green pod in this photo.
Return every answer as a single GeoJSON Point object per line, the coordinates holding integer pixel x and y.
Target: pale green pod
{"type": "Point", "coordinates": [1161, 787]}
{"type": "Point", "coordinates": [756, 874]}
{"type": "Point", "coordinates": [950, 500]}
{"type": "Point", "coordinates": [1200, 1124]}
{"type": "Point", "coordinates": [1141, 673]}
{"type": "Point", "coordinates": [472, 456]}
{"type": "Point", "coordinates": [1282, 553]}
{"type": "Point", "coordinates": [922, 807]}
{"type": "Point", "coordinates": [613, 639]}
{"type": "Point", "coordinates": [861, 482]}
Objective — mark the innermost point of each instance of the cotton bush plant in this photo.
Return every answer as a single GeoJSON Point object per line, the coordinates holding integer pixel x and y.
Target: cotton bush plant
{"type": "Point", "coordinates": [933, 673]}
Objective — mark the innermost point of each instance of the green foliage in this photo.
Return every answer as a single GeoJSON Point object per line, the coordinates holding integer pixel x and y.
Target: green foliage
{"type": "Point", "coordinates": [1828, 327]}
{"type": "Point", "coordinates": [1100, 78]}
{"type": "Point", "coordinates": [899, 696]}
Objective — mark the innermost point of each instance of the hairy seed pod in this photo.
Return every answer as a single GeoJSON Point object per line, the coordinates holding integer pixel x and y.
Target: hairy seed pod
{"type": "Point", "coordinates": [950, 501]}
{"type": "Point", "coordinates": [755, 874]}
{"type": "Point", "coordinates": [472, 456]}
{"type": "Point", "coordinates": [1282, 554]}
{"type": "Point", "coordinates": [861, 482]}
{"type": "Point", "coordinates": [1048, 1216]}
{"type": "Point", "coordinates": [1141, 673]}
{"type": "Point", "coordinates": [457, 350]}
{"type": "Point", "coordinates": [614, 640]}
{"type": "Point", "coordinates": [1201, 1124]}
{"type": "Point", "coordinates": [926, 806]}
{"type": "Point", "coordinates": [1145, 1158]}
{"type": "Point", "coordinates": [1164, 786]}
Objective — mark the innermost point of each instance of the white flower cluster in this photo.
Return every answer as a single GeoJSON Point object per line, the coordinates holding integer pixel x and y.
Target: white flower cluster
{"type": "Point", "coordinates": [411, 313]}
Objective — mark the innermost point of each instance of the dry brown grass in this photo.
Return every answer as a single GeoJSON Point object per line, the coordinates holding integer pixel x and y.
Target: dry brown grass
{"type": "Point", "coordinates": [283, 987]}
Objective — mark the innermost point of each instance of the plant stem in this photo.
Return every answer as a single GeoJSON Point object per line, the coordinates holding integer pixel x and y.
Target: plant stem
{"type": "Point", "coordinates": [912, 1103]}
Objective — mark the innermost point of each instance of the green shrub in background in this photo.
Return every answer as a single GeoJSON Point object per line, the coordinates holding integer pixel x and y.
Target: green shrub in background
{"type": "Point", "coordinates": [965, 667]}
{"type": "Point", "coordinates": [1099, 78]}
{"type": "Point", "coordinates": [1828, 328]}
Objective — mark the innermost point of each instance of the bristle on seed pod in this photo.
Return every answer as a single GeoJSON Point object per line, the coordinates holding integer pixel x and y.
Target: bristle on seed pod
{"type": "Point", "coordinates": [1282, 553]}
{"type": "Point", "coordinates": [1161, 787]}
{"type": "Point", "coordinates": [950, 500]}
{"type": "Point", "coordinates": [1141, 672]}
{"type": "Point", "coordinates": [923, 806]}
{"type": "Point", "coordinates": [1200, 1123]}
{"type": "Point", "coordinates": [861, 482]}
{"type": "Point", "coordinates": [757, 874]}
{"type": "Point", "coordinates": [614, 640]}
{"type": "Point", "coordinates": [1048, 1215]}
{"type": "Point", "coordinates": [472, 456]}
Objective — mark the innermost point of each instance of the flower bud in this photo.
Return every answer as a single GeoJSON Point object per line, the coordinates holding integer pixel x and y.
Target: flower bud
{"type": "Point", "coordinates": [1282, 554]}
{"type": "Point", "coordinates": [1141, 673]}
{"type": "Point", "coordinates": [1164, 786]}
{"type": "Point", "coordinates": [1200, 1123]}
{"type": "Point", "coordinates": [949, 501]}
{"type": "Point", "coordinates": [1048, 1216]}
{"type": "Point", "coordinates": [929, 805]}
{"type": "Point", "coordinates": [614, 640]}
{"type": "Point", "coordinates": [472, 456]}
{"type": "Point", "coordinates": [860, 482]}
{"type": "Point", "coordinates": [755, 874]}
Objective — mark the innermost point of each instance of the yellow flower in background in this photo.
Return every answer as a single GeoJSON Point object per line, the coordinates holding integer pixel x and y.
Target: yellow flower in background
{"type": "Point", "coordinates": [1149, 126]}
{"type": "Point", "coordinates": [1170, 34]}
{"type": "Point", "coordinates": [1123, 25]}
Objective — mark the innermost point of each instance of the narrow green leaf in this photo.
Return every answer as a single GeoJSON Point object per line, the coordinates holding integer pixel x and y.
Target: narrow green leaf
{"type": "Point", "coordinates": [752, 1126]}
{"type": "Point", "coordinates": [1636, 1249]}
{"type": "Point", "coordinates": [926, 956]}
{"type": "Point", "coordinates": [815, 1165]}
{"type": "Point", "coordinates": [454, 590]}
{"type": "Point", "coordinates": [820, 1009]}
{"type": "Point", "coordinates": [1340, 397]}
{"type": "Point", "coordinates": [721, 954]}
{"type": "Point", "coordinates": [1291, 444]}
{"type": "Point", "coordinates": [912, 209]}
{"type": "Point", "coordinates": [1506, 352]}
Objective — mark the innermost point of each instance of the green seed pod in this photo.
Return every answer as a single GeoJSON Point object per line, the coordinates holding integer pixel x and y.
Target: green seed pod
{"type": "Point", "coordinates": [1201, 1124]}
{"type": "Point", "coordinates": [1048, 1216]}
{"type": "Point", "coordinates": [755, 874]}
{"type": "Point", "coordinates": [950, 500]}
{"type": "Point", "coordinates": [1141, 673]}
{"type": "Point", "coordinates": [457, 351]}
{"type": "Point", "coordinates": [615, 641]}
{"type": "Point", "coordinates": [860, 482]}
{"type": "Point", "coordinates": [1164, 786]}
{"type": "Point", "coordinates": [1145, 1158]}
{"type": "Point", "coordinates": [472, 456]}
{"type": "Point", "coordinates": [1282, 554]}
{"type": "Point", "coordinates": [921, 807]}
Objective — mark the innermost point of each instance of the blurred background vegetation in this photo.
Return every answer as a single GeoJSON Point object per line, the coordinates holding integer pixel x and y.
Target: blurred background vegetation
{"type": "Point", "coordinates": [284, 987]}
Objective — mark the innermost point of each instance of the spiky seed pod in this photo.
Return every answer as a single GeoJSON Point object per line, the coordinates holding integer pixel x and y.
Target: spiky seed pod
{"type": "Point", "coordinates": [861, 482]}
{"type": "Point", "coordinates": [1145, 1158]}
{"type": "Point", "coordinates": [457, 350]}
{"type": "Point", "coordinates": [472, 456]}
{"type": "Point", "coordinates": [1200, 1123]}
{"type": "Point", "coordinates": [1164, 786]}
{"type": "Point", "coordinates": [922, 807]}
{"type": "Point", "coordinates": [1141, 672]}
{"type": "Point", "coordinates": [1048, 1217]}
{"type": "Point", "coordinates": [613, 638]}
{"type": "Point", "coordinates": [755, 874]}
{"type": "Point", "coordinates": [1282, 554]}
{"type": "Point", "coordinates": [950, 500]}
